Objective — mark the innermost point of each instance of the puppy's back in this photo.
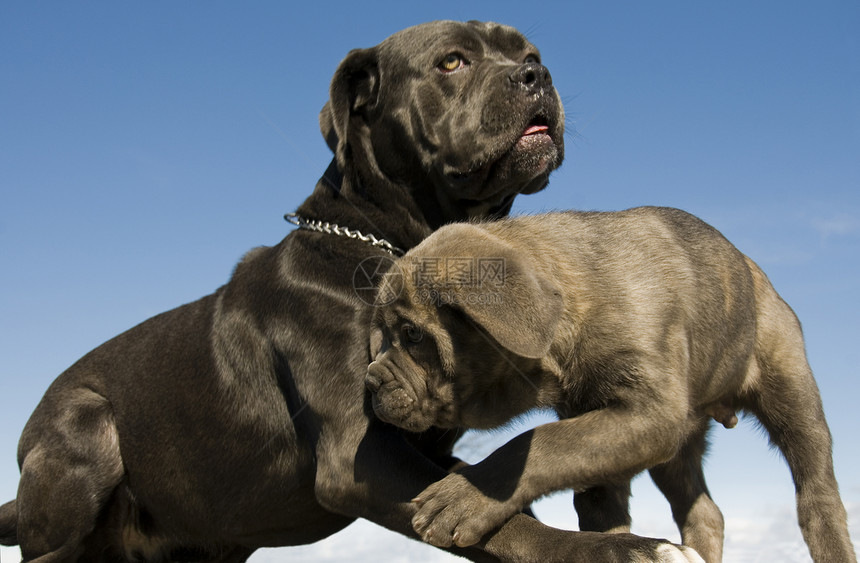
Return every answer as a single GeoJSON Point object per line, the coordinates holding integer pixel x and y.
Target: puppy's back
{"type": "Point", "coordinates": [645, 241]}
{"type": "Point", "coordinates": [644, 275]}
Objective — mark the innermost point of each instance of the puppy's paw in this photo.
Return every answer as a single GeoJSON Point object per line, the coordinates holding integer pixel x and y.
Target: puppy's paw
{"type": "Point", "coordinates": [453, 511]}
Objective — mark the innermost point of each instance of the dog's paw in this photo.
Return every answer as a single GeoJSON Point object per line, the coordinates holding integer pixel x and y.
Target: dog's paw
{"type": "Point", "coordinates": [453, 511]}
{"type": "Point", "coordinates": [668, 553]}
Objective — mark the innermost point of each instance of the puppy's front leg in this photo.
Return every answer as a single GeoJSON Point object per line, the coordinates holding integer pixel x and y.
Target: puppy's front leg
{"type": "Point", "coordinates": [599, 447]}
{"type": "Point", "coordinates": [375, 476]}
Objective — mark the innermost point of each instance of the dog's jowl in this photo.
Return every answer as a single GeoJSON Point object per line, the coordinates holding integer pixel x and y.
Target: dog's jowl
{"type": "Point", "coordinates": [242, 420]}
{"type": "Point", "coordinates": [637, 327]}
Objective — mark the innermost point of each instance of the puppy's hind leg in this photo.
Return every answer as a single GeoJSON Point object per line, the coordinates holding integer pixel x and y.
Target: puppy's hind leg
{"type": "Point", "coordinates": [604, 508]}
{"type": "Point", "coordinates": [70, 465]}
{"type": "Point", "coordinates": [789, 407]}
{"type": "Point", "coordinates": [682, 482]}
{"type": "Point", "coordinates": [784, 397]}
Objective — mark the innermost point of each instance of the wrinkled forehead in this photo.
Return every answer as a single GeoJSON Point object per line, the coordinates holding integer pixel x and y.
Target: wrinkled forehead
{"type": "Point", "coordinates": [471, 36]}
{"type": "Point", "coordinates": [401, 301]}
{"type": "Point", "coordinates": [406, 308]}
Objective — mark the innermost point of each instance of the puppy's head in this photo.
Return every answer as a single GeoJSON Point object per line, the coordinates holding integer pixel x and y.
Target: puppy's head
{"type": "Point", "coordinates": [451, 351]}
{"type": "Point", "coordinates": [463, 114]}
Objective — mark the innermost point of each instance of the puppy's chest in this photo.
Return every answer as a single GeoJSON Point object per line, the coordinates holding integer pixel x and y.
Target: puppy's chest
{"type": "Point", "coordinates": [586, 388]}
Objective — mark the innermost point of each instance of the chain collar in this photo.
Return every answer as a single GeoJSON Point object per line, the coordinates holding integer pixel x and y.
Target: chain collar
{"type": "Point", "coordinates": [334, 229]}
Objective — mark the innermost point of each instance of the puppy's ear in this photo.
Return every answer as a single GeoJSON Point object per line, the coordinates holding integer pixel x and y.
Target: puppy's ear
{"type": "Point", "coordinates": [525, 313]}
{"type": "Point", "coordinates": [518, 305]}
{"type": "Point", "coordinates": [354, 90]}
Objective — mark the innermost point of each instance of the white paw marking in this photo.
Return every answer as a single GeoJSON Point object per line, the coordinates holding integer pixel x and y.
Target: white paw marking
{"type": "Point", "coordinates": [671, 554]}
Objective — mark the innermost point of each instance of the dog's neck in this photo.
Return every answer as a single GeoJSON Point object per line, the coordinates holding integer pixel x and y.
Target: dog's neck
{"type": "Point", "coordinates": [365, 199]}
{"type": "Point", "coordinates": [367, 206]}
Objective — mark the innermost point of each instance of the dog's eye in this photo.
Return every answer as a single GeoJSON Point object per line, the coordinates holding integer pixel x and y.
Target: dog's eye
{"type": "Point", "coordinates": [532, 59]}
{"type": "Point", "coordinates": [452, 62]}
{"type": "Point", "coordinates": [413, 333]}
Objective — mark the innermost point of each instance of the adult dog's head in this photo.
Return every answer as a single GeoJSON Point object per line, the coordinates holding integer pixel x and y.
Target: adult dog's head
{"type": "Point", "coordinates": [460, 330]}
{"type": "Point", "coordinates": [462, 115]}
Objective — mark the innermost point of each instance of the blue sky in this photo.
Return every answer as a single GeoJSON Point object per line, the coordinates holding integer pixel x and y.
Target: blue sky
{"type": "Point", "coordinates": [144, 147]}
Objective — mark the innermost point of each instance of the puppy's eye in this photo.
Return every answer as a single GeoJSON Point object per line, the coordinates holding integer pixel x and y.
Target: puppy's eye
{"type": "Point", "coordinates": [532, 59]}
{"type": "Point", "coordinates": [413, 333]}
{"type": "Point", "coordinates": [452, 62]}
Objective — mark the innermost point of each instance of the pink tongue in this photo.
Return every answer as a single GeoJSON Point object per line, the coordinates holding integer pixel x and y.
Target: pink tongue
{"type": "Point", "coordinates": [535, 129]}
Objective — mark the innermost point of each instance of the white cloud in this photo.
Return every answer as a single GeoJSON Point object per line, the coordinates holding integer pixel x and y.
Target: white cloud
{"type": "Point", "coordinates": [10, 555]}
{"type": "Point", "coordinates": [840, 224]}
{"type": "Point", "coordinates": [360, 542]}
{"type": "Point", "coordinates": [772, 536]}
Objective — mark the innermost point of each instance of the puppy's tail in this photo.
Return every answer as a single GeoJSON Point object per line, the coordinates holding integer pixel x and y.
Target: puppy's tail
{"type": "Point", "coordinates": [9, 523]}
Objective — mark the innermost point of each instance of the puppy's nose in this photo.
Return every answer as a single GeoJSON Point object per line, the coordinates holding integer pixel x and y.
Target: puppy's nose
{"type": "Point", "coordinates": [531, 76]}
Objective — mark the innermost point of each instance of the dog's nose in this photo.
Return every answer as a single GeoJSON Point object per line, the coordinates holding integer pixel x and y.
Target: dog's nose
{"type": "Point", "coordinates": [531, 76]}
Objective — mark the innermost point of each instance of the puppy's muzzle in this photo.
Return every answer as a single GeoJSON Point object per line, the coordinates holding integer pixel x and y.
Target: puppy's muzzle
{"type": "Point", "coordinates": [392, 402]}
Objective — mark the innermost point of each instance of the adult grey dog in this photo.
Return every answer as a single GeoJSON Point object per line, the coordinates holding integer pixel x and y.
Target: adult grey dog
{"type": "Point", "coordinates": [241, 420]}
{"type": "Point", "coordinates": [637, 327]}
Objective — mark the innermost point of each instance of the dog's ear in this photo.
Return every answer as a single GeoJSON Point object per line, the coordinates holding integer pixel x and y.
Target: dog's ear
{"type": "Point", "coordinates": [512, 300]}
{"type": "Point", "coordinates": [354, 90]}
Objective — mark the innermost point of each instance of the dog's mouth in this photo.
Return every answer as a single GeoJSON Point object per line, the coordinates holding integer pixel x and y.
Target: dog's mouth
{"type": "Point", "coordinates": [536, 139]}
{"type": "Point", "coordinates": [537, 128]}
{"type": "Point", "coordinates": [536, 136]}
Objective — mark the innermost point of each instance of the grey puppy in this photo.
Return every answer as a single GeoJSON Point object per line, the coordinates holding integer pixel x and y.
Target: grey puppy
{"type": "Point", "coordinates": [636, 327]}
{"type": "Point", "coordinates": [241, 420]}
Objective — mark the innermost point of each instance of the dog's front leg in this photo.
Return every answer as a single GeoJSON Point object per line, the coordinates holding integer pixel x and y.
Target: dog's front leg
{"type": "Point", "coordinates": [600, 447]}
{"type": "Point", "coordinates": [374, 474]}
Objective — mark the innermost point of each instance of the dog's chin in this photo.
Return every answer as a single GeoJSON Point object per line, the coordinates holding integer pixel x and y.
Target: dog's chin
{"type": "Point", "coordinates": [528, 163]}
{"type": "Point", "coordinates": [519, 167]}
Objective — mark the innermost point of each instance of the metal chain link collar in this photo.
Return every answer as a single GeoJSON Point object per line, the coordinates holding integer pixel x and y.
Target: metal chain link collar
{"type": "Point", "coordinates": [334, 229]}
